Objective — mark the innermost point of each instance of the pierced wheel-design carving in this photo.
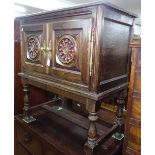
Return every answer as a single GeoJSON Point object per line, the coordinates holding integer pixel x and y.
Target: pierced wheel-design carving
{"type": "Point", "coordinates": [33, 46]}
{"type": "Point", "coordinates": [66, 50]}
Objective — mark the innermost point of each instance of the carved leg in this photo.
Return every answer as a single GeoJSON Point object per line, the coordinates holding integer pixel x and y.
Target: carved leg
{"type": "Point", "coordinates": [27, 118]}
{"type": "Point", "coordinates": [92, 133]}
{"type": "Point", "coordinates": [119, 117]}
{"type": "Point", "coordinates": [90, 145]}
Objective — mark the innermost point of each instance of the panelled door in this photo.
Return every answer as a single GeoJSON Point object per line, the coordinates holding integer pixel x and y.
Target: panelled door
{"type": "Point", "coordinates": [70, 49]}
{"type": "Point", "coordinates": [33, 46]}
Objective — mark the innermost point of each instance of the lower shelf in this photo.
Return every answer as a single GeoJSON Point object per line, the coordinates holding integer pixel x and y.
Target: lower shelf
{"type": "Point", "coordinates": [76, 118]}
{"type": "Point", "coordinates": [63, 135]}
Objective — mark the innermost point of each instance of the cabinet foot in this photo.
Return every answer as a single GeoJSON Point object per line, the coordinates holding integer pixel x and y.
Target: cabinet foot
{"type": "Point", "coordinates": [119, 136]}
{"type": "Point", "coordinates": [29, 119]}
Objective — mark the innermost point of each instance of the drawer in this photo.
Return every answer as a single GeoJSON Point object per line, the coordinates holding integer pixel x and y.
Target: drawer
{"type": "Point", "coordinates": [136, 108]}
{"type": "Point", "coordinates": [130, 151]}
{"type": "Point", "coordinates": [29, 141]}
{"type": "Point", "coordinates": [137, 82]}
{"type": "Point", "coordinates": [20, 150]}
{"type": "Point", "coordinates": [134, 138]}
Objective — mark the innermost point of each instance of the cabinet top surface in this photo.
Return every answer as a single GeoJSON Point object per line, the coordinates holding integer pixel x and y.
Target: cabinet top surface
{"type": "Point", "coordinates": [81, 6]}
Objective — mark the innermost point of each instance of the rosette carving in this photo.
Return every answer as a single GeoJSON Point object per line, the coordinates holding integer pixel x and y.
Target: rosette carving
{"type": "Point", "coordinates": [33, 47]}
{"type": "Point", "coordinates": [66, 50]}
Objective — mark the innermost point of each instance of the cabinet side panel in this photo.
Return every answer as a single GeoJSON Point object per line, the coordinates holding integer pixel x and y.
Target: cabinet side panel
{"type": "Point", "coordinates": [114, 49]}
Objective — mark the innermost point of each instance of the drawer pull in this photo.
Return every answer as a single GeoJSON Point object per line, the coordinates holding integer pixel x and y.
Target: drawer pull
{"type": "Point", "coordinates": [43, 48]}
{"type": "Point", "coordinates": [49, 46]}
{"type": "Point", "coordinates": [27, 138]}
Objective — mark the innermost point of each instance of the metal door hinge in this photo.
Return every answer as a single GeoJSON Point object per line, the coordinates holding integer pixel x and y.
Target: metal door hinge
{"type": "Point", "coordinates": [92, 40]}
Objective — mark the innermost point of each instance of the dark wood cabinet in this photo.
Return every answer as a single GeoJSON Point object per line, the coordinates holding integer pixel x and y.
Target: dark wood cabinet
{"type": "Point", "coordinates": [133, 124]}
{"type": "Point", "coordinates": [73, 47]}
{"type": "Point", "coordinates": [79, 54]}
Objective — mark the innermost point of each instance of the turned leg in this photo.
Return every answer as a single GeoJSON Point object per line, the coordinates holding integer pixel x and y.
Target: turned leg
{"type": "Point", "coordinates": [27, 118]}
{"type": "Point", "coordinates": [92, 107]}
{"type": "Point", "coordinates": [119, 117]}
{"type": "Point", "coordinates": [92, 133]}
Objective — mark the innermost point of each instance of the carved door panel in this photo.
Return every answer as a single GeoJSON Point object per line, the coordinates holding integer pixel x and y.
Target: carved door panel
{"type": "Point", "coordinates": [33, 46]}
{"type": "Point", "coordinates": [70, 50]}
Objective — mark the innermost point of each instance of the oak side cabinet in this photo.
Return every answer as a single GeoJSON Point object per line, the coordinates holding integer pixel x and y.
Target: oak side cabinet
{"type": "Point", "coordinates": [79, 53]}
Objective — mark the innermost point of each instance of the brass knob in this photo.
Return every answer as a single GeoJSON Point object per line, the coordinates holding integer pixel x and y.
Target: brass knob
{"type": "Point", "coordinates": [43, 48]}
{"type": "Point", "coordinates": [49, 47]}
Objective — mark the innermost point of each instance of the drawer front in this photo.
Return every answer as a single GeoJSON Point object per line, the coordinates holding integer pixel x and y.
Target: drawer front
{"type": "Point", "coordinates": [136, 108]}
{"type": "Point", "coordinates": [129, 151]}
{"type": "Point", "coordinates": [27, 139]}
{"type": "Point", "coordinates": [137, 82]}
{"type": "Point", "coordinates": [20, 150]}
{"type": "Point", "coordinates": [134, 141]}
